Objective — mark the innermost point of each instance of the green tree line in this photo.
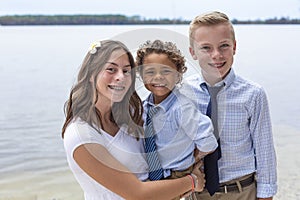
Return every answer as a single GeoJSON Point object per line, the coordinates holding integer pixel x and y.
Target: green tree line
{"type": "Point", "coordinates": [81, 20]}
{"type": "Point", "coordinates": [113, 19]}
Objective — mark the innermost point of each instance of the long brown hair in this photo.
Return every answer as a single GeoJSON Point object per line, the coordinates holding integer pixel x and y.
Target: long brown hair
{"type": "Point", "coordinates": [84, 95]}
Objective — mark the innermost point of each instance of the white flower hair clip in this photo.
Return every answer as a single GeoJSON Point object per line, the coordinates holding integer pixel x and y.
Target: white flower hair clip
{"type": "Point", "coordinates": [93, 47]}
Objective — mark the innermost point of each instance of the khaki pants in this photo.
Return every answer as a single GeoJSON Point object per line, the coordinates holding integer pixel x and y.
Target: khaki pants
{"type": "Point", "coordinates": [247, 193]}
{"type": "Point", "coordinates": [180, 174]}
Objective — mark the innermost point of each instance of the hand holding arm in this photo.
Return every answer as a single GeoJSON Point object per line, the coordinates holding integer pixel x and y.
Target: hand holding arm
{"type": "Point", "coordinates": [200, 176]}
{"type": "Point", "coordinates": [100, 165]}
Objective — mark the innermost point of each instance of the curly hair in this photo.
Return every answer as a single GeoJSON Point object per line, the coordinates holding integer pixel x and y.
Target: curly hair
{"type": "Point", "coordinates": [160, 47]}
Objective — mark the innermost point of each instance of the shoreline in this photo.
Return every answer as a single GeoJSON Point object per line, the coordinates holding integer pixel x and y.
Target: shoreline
{"type": "Point", "coordinates": [40, 186]}
{"type": "Point", "coordinates": [61, 185]}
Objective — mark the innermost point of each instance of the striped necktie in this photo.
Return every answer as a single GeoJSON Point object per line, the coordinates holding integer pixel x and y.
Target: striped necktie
{"type": "Point", "coordinates": [155, 169]}
{"type": "Point", "coordinates": [211, 160]}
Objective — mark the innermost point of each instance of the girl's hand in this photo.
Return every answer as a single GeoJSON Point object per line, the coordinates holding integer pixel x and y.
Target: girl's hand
{"type": "Point", "coordinates": [200, 182]}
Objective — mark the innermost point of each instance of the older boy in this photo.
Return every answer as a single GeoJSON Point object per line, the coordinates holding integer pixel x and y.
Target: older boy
{"type": "Point", "coordinates": [247, 164]}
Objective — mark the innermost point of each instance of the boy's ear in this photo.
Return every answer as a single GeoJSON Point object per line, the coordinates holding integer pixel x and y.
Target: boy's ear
{"type": "Point", "coordinates": [179, 78]}
{"type": "Point", "coordinates": [234, 47]}
{"type": "Point", "coordinates": [139, 73]}
{"type": "Point", "coordinates": [192, 52]}
{"type": "Point", "coordinates": [140, 77]}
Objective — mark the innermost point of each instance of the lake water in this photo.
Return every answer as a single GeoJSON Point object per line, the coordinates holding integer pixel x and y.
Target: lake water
{"type": "Point", "coordinates": [38, 67]}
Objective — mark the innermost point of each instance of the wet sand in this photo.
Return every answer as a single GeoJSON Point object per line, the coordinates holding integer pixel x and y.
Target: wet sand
{"type": "Point", "coordinates": [61, 185]}
{"type": "Point", "coordinates": [47, 186]}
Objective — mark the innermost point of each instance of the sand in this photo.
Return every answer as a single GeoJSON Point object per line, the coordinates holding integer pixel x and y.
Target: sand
{"type": "Point", "coordinates": [287, 146]}
{"type": "Point", "coordinates": [48, 186]}
{"type": "Point", "coordinates": [61, 185]}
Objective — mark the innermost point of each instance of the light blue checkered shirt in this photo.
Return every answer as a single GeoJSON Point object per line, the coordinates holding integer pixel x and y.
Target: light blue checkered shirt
{"type": "Point", "coordinates": [180, 128]}
{"type": "Point", "coordinates": [244, 128]}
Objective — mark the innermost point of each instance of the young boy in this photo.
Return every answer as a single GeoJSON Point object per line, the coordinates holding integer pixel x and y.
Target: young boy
{"type": "Point", "coordinates": [244, 124]}
{"type": "Point", "coordinates": [178, 125]}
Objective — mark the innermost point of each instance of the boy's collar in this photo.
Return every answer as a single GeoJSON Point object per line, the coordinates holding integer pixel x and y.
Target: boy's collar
{"type": "Point", "coordinates": [226, 81]}
{"type": "Point", "coordinates": [166, 103]}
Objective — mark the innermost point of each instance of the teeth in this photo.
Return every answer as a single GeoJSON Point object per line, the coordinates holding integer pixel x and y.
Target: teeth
{"type": "Point", "coordinates": [159, 85]}
{"type": "Point", "coordinates": [218, 65]}
{"type": "Point", "coordinates": [116, 87]}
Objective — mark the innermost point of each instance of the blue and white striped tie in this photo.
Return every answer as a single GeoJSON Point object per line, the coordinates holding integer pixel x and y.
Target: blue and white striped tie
{"type": "Point", "coordinates": [155, 169]}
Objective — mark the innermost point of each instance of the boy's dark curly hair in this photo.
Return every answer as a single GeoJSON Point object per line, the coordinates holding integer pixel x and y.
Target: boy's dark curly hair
{"type": "Point", "coordinates": [160, 47]}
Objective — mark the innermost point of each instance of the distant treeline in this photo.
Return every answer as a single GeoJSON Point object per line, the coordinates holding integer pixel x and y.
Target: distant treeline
{"type": "Point", "coordinates": [113, 19]}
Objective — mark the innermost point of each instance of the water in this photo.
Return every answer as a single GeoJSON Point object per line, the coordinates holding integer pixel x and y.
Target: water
{"type": "Point", "coordinates": [38, 67]}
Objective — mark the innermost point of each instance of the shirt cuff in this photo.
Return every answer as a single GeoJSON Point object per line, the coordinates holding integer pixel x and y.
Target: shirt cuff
{"type": "Point", "coordinates": [266, 190]}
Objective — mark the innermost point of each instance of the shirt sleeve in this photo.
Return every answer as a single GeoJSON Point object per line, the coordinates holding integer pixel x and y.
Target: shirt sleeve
{"type": "Point", "coordinates": [261, 131]}
{"type": "Point", "coordinates": [198, 127]}
{"type": "Point", "coordinates": [78, 133]}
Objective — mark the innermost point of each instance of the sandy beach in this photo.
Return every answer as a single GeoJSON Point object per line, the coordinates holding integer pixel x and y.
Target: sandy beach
{"type": "Point", "coordinates": [61, 185]}
{"type": "Point", "coordinates": [288, 161]}
{"type": "Point", "coordinates": [49, 186]}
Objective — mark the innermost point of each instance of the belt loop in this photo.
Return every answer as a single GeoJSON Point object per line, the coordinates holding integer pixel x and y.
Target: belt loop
{"type": "Point", "coordinates": [225, 189]}
{"type": "Point", "coordinates": [239, 186]}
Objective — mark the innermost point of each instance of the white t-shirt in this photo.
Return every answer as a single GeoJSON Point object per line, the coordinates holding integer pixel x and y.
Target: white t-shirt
{"type": "Point", "coordinates": [125, 148]}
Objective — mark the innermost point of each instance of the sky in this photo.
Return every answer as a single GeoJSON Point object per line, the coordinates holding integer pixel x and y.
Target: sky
{"type": "Point", "coordinates": [156, 9]}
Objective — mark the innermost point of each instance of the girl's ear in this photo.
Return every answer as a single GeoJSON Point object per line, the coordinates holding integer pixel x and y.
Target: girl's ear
{"type": "Point", "coordinates": [92, 79]}
{"type": "Point", "coordinates": [192, 52]}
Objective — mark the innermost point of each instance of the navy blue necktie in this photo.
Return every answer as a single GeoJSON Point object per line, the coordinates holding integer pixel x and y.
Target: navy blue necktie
{"type": "Point", "coordinates": [211, 160]}
{"type": "Point", "coordinates": [155, 169]}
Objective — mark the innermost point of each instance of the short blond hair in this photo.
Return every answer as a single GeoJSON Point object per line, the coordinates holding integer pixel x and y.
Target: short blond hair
{"type": "Point", "coordinates": [209, 19]}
